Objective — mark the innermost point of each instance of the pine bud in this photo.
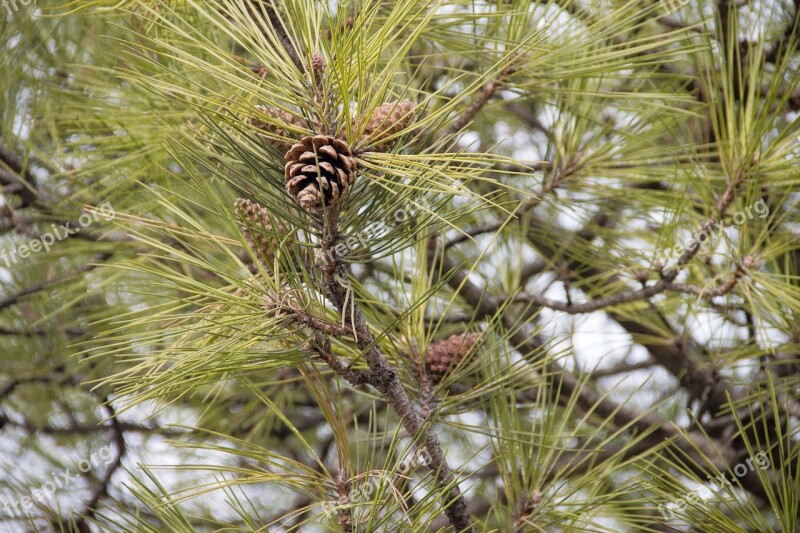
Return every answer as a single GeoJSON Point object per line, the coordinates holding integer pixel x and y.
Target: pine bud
{"type": "Point", "coordinates": [750, 263]}
{"type": "Point", "coordinates": [444, 356]}
{"type": "Point", "coordinates": [319, 171]}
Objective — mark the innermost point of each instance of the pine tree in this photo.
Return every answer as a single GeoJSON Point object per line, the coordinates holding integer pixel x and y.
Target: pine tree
{"type": "Point", "coordinates": [399, 265]}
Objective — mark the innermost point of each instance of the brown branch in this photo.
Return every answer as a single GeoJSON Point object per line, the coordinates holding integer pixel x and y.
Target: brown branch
{"type": "Point", "coordinates": [302, 317]}
{"type": "Point", "coordinates": [622, 368]}
{"type": "Point", "coordinates": [56, 376]}
{"type": "Point", "coordinates": [487, 93]}
{"type": "Point", "coordinates": [323, 348]}
{"type": "Point", "coordinates": [90, 509]}
{"type": "Point", "coordinates": [723, 202]}
{"type": "Point", "coordinates": [524, 508]}
{"type": "Point", "coordinates": [344, 512]}
{"type": "Point", "coordinates": [384, 378]}
{"type": "Point", "coordinates": [256, 9]}
{"type": "Point", "coordinates": [39, 332]}
{"type": "Point", "coordinates": [645, 293]}
{"type": "Point", "coordinates": [13, 172]}
{"type": "Point", "coordinates": [38, 287]}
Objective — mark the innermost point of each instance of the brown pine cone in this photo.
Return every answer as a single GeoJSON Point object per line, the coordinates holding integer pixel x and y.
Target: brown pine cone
{"type": "Point", "coordinates": [276, 130]}
{"type": "Point", "coordinates": [258, 230]}
{"type": "Point", "coordinates": [386, 120]}
{"type": "Point", "coordinates": [446, 355]}
{"type": "Point", "coordinates": [319, 171]}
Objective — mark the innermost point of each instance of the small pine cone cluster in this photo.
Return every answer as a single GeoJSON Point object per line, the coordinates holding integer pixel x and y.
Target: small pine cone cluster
{"type": "Point", "coordinates": [257, 227]}
{"type": "Point", "coordinates": [446, 355]}
{"type": "Point", "coordinates": [386, 120]}
{"type": "Point", "coordinates": [320, 170]}
{"type": "Point", "coordinates": [273, 131]}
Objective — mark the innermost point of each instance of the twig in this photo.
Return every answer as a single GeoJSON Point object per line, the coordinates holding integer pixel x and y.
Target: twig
{"type": "Point", "coordinates": [323, 348]}
{"type": "Point", "coordinates": [659, 287]}
{"type": "Point", "coordinates": [306, 319]}
{"type": "Point", "coordinates": [38, 287]}
{"type": "Point", "coordinates": [622, 368]}
{"type": "Point", "coordinates": [723, 202]}
{"type": "Point", "coordinates": [56, 375]}
{"type": "Point", "coordinates": [573, 165]}
{"type": "Point", "coordinates": [90, 509]}
{"type": "Point", "coordinates": [487, 94]}
{"type": "Point", "coordinates": [39, 332]}
{"type": "Point", "coordinates": [525, 508]}
{"type": "Point", "coordinates": [28, 190]}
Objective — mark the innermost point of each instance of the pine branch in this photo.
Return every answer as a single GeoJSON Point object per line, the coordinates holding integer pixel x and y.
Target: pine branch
{"type": "Point", "coordinates": [660, 287]}
{"type": "Point", "coordinates": [679, 358]}
{"type": "Point", "coordinates": [384, 378]}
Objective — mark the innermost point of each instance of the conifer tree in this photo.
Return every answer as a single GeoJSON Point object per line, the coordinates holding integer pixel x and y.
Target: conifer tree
{"type": "Point", "coordinates": [399, 265]}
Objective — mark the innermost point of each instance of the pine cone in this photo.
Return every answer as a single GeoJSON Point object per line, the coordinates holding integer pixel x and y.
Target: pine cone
{"type": "Point", "coordinates": [274, 130]}
{"type": "Point", "coordinates": [446, 355]}
{"type": "Point", "coordinates": [258, 230]}
{"type": "Point", "coordinates": [318, 66]}
{"type": "Point", "coordinates": [386, 120]}
{"type": "Point", "coordinates": [320, 170]}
